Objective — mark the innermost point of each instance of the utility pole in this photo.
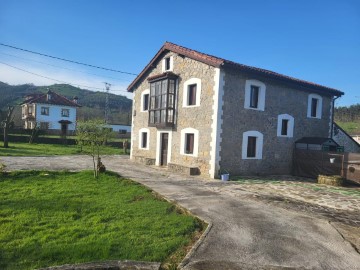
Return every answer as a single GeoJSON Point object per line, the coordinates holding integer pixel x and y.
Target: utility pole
{"type": "Point", "coordinates": [107, 109]}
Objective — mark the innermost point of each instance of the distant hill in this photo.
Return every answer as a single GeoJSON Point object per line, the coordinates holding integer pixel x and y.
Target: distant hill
{"type": "Point", "coordinates": [93, 103]}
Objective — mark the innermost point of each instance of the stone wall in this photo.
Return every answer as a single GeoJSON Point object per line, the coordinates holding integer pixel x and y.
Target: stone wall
{"type": "Point", "coordinates": [199, 117]}
{"type": "Point", "coordinates": [344, 139]}
{"type": "Point", "coordinates": [277, 151]}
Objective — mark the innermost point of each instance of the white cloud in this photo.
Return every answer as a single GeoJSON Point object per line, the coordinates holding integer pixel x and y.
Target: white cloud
{"type": "Point", "coordinates": [77, 78]}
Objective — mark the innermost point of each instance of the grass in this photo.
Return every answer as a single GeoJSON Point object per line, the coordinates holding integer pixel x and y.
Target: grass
{"type": "Point", "coordinates": [55, 218]}
{"type": "Point", "coordinates": [350, 127]}
{"type": "Point", "coordinates": [26, 149]}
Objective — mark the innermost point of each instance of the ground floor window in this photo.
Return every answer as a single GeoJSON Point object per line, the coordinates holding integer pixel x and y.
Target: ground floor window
{"type": "Point", "coordinates": [44, 125]}
{"type": "Point", "coordinates": [144, 139]}
{"type": "Point", "coordinates": [189, 142]}
{"type": "Point", "coordinates": [252, 145]}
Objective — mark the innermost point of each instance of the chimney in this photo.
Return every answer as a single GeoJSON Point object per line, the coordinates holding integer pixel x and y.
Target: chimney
{"type": "Point", "coordinates": [75, 99]}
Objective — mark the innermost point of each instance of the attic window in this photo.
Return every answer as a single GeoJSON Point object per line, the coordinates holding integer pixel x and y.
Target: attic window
{"type": "Point", "coordinates": [48, 96]}
{"type": "Point", "coordinates": [167, 64]}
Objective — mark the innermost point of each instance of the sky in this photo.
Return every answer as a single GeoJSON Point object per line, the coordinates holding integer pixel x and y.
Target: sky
{"type": "Point", "coordinates": [313, 40]}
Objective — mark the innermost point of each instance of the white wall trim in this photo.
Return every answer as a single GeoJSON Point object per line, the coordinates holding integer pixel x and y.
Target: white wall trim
{"type": "Point", "coordinates": [196, 141]}
{"type": "Point", "coordinates": [143, 93]}
{"type": "Point", "coordinates": [171, 64]}
{"type": "Point", "coordinates": [191, 81]}
{"type": "Point", "coordinates": [259, 144]}
{"type": "Point", "coordinates": [133, 135]}
{"type": "Point", "coordinates": [318, 108]}
{"type": "Point", "coordinates": [216, 126]}
{"type": "Point", "coordinates": [290, 128]}
{"type": "Point", "coordinates": [146, 130]}
{"type": "Point", "coordinates": [262, 94]}
{"type": "Point", "coordinates": [158, 146]}
{"type": "Point", "coordinates": [331, 118]}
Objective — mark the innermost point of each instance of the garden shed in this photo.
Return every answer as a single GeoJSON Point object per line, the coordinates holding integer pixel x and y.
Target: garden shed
{"type": "Point", "coordinates": [318, 143]}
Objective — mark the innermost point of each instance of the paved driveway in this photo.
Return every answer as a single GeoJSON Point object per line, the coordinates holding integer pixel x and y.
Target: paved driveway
{"type": "Point", "coordinates": [245, 233]}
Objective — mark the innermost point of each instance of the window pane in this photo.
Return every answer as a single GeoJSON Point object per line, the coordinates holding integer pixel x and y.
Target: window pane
{"type": "Point", "coordinates": [163, 101]}
{"type": "Point", "coordinates": [144, 140]}
{"type": "Point", "coordinates": [157, 117]}
{"type": "Point", "coordinates": [251, 147]}
{"type": "Point", "coordinates": [146, 102]}
{"type": "Point", "coordinates": [172, 86]}
{"type": "Point", "coordinates": [314, 103]}
{"type": "Point", "coordinates": [170, 116]}
{"type": "Point", "coordinates": [152, 89]}
{"type": "Point", "coordinates": [163, 116]}
{"type": "Point", "coordinates": [157, 88]}
{"type": "Point", "coordinates": [164, 86]}
{"type": "Point", "coordinates": [157, 102]}
{"type": "Point", "coordinates": [189, 143]}
{"type": "Point", "coordinates": [171, 101]}
{"type": "Point", "coordinates": [152, 103]}
{"type": "Point", "coordinates": [284, 127]}
{"type": "Point", "coordinates": [192, 94]}
{"type": "Point", "coordinates": [254, 96]}
{"type": "Point", "coordinates": [152, 119]}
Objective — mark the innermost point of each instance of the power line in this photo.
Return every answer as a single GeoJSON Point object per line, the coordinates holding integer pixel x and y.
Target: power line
{"type": "Point", "coordinates": [101, 76]}
{"type": "Point", "coordinates": [67, 60]}
{"type": "Point", "coordinates": [42, 76]}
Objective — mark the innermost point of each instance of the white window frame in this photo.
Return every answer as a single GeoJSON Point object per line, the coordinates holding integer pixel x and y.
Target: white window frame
{"type": "Point", "coordinates": [318, 107]}
{"type": "Point", "coordinates": [187, 83]}
{"type": "Point", "coordinates": [261, 97]}
{"type": "Point", "coordinates": [290, 127]}
{"type": "Point", "coordinates": [141, 131]}
{"type": "Point", "coordinates": [171, 64]}
{"type": "Point", "coordinates": [196, 141]}
{"type": "Point", "coordinates": [259, 144]}
{"type": "Point", "coordinates": [145, 92]}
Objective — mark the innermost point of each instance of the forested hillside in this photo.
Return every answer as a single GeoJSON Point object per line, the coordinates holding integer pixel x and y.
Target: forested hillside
{"type": "Point", "coordinates": [93, 103]}
{"type": "Point", "coordinates": [349, 118]}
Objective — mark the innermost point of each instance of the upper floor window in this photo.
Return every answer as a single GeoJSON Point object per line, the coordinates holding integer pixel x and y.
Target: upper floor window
{"type": "Point", "coordinates": [65, 112]}
{"type": "Point", "coordinates": [285, 126]}
{"type": "Point", "coordinates": [162, 101]}
{"type": "Point", "coordinates": [44, 110]}
{"type": "Point", "coordinates": [167, 64]}
{"type": "Point", "coordinates": [252, 145]}
{"type": "Point", "coordinates": [189, 142]}
{"type": "Point", "coordinates": [145, 98]}
{"type": "Point", "coordinates": [192, 92]}
{"type": "Point", "coordinates": [254, 95]}
{"type": "Point", "coordinates": [314, 106]}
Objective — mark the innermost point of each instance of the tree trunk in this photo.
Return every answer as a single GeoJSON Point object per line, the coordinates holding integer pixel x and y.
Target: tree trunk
{"type": "Point", "coordinates": [7, 125]}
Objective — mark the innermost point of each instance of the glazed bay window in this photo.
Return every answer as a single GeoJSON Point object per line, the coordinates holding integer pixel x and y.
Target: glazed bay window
{"type": "Point", "coordinates": [162, 101]}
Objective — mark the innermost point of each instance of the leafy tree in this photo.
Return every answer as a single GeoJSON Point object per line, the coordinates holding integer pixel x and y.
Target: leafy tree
{"type": "Point", "coordinates": [6, 125]}
{"type": "Point", "coordinates": [92, 136]}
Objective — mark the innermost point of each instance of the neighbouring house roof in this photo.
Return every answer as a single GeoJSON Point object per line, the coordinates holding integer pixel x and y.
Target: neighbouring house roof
{"type": "Point", "coordinates": [316, 140]}
{"type": "Point", "coordinates": [346, 134]}
{"type": "Point", "coordinates": [55, 99]}
{"type": "Point", "coordinates": [220, 62]}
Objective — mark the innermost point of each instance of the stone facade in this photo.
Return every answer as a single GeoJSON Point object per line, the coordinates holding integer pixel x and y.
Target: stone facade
{"type": "Point", "coordinates": [223, 117]}
{"type": "Point", "coordinates": [198, 117]}
{"type": "Point", "coordinates": [277, 151]}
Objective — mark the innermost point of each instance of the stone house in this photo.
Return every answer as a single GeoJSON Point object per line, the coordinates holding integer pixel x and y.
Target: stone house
{"type": "Point", "coordinates": [198, 113]}
{"type": "Point", "coordinates": [50, 111]}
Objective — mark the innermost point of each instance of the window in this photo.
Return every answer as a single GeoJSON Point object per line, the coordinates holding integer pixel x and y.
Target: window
{"type": "Point", "coordinates": [314, 106]}
{"type": "Point", "coordinates": [44, 125]}
{"type": "Point", "coordinates": [162, 101]}
{"type": "Point", "coordinates": [192, 92]}
{"type": "Point", "coordinates": [252, 145]}
{"type": "Point", "coordinates": [285, 125]}
{"type": "Point", "coordinates": [144, 139]}
{"type": "Point", "coordinates": [44, 110]}
{"type": "Point", "coordinates": [254, 95]}
{"type": "Point", "coordinates": [145, 99]}
{"type": "Point", "coordinates": [167, 64]}
{"type": "Point", "coordinates": [189, 143]}
{"type": "Point", "coordinates": [65, 112]}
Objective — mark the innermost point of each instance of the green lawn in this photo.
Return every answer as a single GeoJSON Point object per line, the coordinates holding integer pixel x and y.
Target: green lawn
{"type": "Point", "coordinates": [26, 149]}
{"type": "Point", "coordinates": [55, 218]}
{"type": "Point", "coordinates": [350, 127]}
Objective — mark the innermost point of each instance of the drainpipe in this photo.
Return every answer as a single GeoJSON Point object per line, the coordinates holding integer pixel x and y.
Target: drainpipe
{"type": "Point", "coordinates": [332, 116]}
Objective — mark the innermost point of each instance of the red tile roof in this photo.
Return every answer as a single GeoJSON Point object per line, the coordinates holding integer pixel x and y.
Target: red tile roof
{"type": "Point", "coordinates": [218, 62]}
{"type": "Point", "coordinates": [55, 99]}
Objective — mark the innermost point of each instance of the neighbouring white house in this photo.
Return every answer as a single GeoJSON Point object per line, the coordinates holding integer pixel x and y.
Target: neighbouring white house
{"type": "Point", "coordinates": [123, 129]}
{"type": "Point", "coordinates": [50, 111]}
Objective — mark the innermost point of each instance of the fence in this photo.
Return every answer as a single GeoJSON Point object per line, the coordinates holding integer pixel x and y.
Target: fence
{"type": "Point", "coordinates": [311, 163]}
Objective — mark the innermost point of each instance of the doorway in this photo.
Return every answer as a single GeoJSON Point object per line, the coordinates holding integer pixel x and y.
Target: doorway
{"type": "Point", "coordinates": [164, 149]}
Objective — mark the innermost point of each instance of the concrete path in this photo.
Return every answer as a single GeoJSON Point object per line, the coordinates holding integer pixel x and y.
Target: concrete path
{"type": "Point", "coordinates": [246, 233]}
